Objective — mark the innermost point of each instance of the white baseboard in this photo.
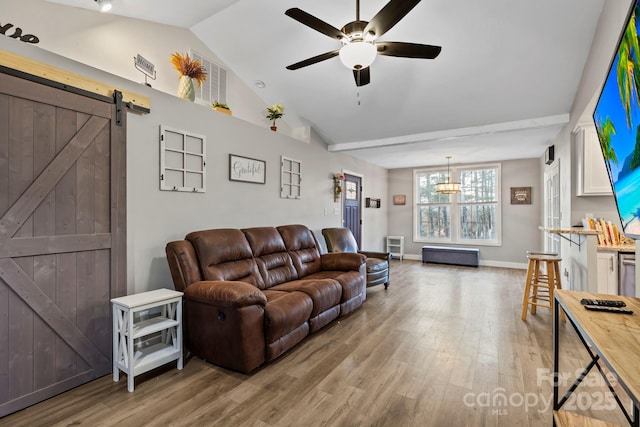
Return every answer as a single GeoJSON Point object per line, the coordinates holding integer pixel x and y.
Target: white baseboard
{"type": "Point", "coordinates": [487, 263]}
{"type": "Point", "coordinates": [502, 264]}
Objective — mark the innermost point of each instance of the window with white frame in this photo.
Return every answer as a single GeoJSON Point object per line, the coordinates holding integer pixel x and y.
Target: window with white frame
{"type": "Point", "coordinates": [214, 88]}
{"type": "Point", "coordinates": [469, 217]}
{"type": "Point", "coordinates": [552, 206]}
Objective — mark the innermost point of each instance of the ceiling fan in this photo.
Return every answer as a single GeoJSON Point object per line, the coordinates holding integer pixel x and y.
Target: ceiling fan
{"type": "Point", "coordinates": [358, 39]}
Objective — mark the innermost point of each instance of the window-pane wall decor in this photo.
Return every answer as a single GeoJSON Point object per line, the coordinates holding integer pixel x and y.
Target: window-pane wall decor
{"type": "Point", "coordinates": [182, 160]}
{"type": "Point", "coordinates": [290, 178]}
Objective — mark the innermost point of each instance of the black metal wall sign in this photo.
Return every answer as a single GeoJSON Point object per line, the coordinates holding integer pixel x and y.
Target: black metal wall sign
{"type": "Point", "coordinates": [6, 30]}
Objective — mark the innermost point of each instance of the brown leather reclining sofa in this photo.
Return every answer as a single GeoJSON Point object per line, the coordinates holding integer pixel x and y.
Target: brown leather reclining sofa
{"type": "Point", "coordinates": [252, 294]}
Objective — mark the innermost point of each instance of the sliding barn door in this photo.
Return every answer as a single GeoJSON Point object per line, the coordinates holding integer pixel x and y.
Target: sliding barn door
{"type": "Point", "coordinates": [62, 239]}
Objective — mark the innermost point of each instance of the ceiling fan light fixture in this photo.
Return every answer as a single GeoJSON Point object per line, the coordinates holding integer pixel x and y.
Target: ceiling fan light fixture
{"type": "Point", "coordinates": [358, 54]}
{"type": "Point", "coordinates": [104, 5]}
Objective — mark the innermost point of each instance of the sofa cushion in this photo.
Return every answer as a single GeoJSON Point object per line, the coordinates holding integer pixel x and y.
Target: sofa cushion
{"type": "Point", "coordinates": [351, 282]}
{"type": "Point", "coordinates": [273, 261]}
{"type": "Point", "coordinates": [303, 248]}
{"type": "Point", "coordinates": [284, 313]}
{"type": "Point", "coordinates": [225, 254]}
{"type": "Point", "coordinates": [325, 293]}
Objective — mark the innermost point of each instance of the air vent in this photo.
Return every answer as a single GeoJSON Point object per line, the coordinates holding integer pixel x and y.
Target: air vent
{"type": "Point", "coordinates": [215, 87]}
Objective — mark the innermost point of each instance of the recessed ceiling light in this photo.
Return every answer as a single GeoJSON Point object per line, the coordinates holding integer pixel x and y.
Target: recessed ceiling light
{"type": "Point", "coordinates": [104, 5]}
{"type": "Point", "coordinates": [260, 84]}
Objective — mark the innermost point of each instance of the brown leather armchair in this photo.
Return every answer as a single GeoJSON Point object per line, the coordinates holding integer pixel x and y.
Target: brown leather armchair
{"type": "Point", "coordinates": [342, 240]}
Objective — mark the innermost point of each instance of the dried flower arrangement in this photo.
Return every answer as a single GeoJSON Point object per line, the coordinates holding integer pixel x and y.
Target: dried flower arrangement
{"type": "Point", "coordinates": [187, 67]}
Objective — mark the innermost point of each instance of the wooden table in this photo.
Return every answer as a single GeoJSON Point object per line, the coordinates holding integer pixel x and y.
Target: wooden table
{"type": "Point", "coordinates": [609, 338]}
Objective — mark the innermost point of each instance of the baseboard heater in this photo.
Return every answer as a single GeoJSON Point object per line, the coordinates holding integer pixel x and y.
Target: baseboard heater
{"type": "Point", "coordinates": [446, 255]}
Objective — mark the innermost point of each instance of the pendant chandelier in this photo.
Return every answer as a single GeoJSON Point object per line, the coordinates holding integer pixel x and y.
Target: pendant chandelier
{"type": "Point", "coordinates": [448, 187]}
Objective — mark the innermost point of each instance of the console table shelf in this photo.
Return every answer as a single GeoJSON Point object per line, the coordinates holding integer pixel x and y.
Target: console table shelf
{"type": "Point", "coordinates": [153, 325]}
{"type": "Point", "coordinates": [127, 328]}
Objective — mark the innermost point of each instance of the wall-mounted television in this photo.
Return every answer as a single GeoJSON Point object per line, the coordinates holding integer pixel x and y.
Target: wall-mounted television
{"type": "Point", "coordinates": [617, 120]}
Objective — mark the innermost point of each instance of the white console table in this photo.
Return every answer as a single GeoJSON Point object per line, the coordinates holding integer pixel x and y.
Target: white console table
{"type": "Point", "coordinates": [128, 327]}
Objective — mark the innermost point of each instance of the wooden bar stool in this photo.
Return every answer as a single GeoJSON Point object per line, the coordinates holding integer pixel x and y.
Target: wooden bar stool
{"type": "Point", "coordinates": [541, 275]}
{"type": "Point", "coordinates": [539, 287]}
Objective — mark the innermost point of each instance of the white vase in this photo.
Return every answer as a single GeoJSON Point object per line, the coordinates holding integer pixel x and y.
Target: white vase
{"type": "Point", "coordinates": [185, 88]}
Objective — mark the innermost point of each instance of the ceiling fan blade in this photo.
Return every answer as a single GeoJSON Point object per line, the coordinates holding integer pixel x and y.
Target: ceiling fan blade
{"type": "Point", "coordinates": [313, 60]}
{"type": "Point", "coordinates": [315, 23]}
{"type": "Point", "coordinates": [389, 16]}
{"type": "Point", "coordinates": [362, 76]}
{"type": "Point", "coordinates": [408, 50]}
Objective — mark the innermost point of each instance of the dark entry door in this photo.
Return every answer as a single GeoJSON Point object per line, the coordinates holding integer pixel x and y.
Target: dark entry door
{"type": "Point", "coordinates": [352, 203]}
{"type": "Point", "coordinates": [62, 239]}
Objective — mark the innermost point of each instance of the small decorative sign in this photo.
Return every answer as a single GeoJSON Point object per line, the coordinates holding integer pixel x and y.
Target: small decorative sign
{"type": "Point", "coordinates": [372, 203]}
{"type": "Point", "coordinates": [145, 66]}
{"type": "Point", "coordinates": [399, 199]}
{"type": "Point", "coordinates": [246, 169]}
{"type": "Point", "coordinates": [520, 195]}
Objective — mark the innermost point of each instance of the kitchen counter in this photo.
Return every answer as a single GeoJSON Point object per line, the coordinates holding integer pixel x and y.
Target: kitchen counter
{"type": "Point", "coordinates": [617, 248]}
{"type": "Point", "coordinates": [587, 262]}
{"type": "Point", "coordinates": [624, 247]}
{"type": "Point", "coordinates": [576, 230]}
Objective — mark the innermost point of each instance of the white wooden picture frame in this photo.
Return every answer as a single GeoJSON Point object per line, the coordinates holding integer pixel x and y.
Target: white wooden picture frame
{"type": "Point", "coordinates": [290, 178]}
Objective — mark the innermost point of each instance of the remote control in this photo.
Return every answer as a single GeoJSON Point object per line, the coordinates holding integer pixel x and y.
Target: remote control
{"type": "Point", "coordinates": [608, 309]}
{"type": "Point", "coordinates": [603, 302]}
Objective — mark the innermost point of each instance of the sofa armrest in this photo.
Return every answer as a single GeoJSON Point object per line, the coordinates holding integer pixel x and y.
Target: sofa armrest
{"type": "Point", "coordinates": [342, 261]}
{"type": "Point", "coordinates": [228, 294]}
{"type": "Point", "coordinates": [380, 255]}
{"type": "Point", "coordinates": [183, 264]}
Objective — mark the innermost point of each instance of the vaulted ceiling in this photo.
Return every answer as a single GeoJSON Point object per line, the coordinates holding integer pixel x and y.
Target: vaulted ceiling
{"type": "Point", "coordinates": [501, 88]}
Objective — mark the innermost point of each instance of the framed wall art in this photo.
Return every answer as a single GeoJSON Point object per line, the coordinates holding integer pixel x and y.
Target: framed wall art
{"type": "Point", "coordinates": [520, 195]}
{"type": "Point", "coordinates": [246, 169]}
{"type": "Point", "coordinates": [372, 203]}
{"type": "Point", "coordinates": [399, 199]}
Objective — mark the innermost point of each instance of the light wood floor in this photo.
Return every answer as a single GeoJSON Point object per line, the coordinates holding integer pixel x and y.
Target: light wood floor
{"type": "Point", "coordinates": [440, 347]}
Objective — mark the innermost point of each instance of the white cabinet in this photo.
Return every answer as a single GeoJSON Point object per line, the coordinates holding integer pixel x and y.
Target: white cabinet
{"type": "Point", "coordinates": [607, 273]}
{"type": "Point", "coordinates": [395, 245]}
{"type": "Point", "coordinates": [129, 327]}
{"type": "Point", "coordinates": [593, 179]}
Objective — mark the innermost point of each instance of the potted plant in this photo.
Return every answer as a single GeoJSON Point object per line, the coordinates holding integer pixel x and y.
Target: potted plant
{"type": "Point", "coordinates": [274, 112]}
{"type": "Point", "coordinates": [189, 70]}
{"type": "Point", "coordinates": [222, 107]}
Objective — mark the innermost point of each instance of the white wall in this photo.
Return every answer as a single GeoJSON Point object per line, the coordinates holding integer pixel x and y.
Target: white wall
{"type": "Point", "coordinates": [155, 217]}
{"type": "Point", "coordinates": [109, 42]}
{"type": "Point", "coordinates": [602, 50]}
{"type": "Point", "coordinates": [519, 222]}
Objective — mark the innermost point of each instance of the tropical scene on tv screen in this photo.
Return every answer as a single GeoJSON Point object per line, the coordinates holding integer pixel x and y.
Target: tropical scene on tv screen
{"type": "Point", "coordinates": [617, 120]}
